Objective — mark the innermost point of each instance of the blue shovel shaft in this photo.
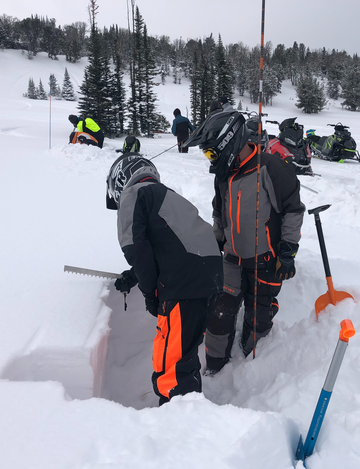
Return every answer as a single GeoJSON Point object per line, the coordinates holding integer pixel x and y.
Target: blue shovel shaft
{"type": "Point", "coordinates": [323, 402]}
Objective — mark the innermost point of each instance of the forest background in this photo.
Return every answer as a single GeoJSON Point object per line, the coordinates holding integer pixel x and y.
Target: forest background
{"type": "Point", "coordinates": [213, 69]}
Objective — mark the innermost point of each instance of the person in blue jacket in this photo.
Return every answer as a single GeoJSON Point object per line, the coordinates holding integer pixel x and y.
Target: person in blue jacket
{"type": "Point", "coordinates": [181, 128]}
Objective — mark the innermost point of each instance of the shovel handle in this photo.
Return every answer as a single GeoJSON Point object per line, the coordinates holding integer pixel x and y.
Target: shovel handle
{"type": "Point", "coordinates": [317, 210]}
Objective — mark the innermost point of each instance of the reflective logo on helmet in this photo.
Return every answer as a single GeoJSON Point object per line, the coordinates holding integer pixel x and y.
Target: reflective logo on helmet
{"type": "Point", "coordinates": [229, 136]}
{"type": "Point", "coordinates": [226, 140]}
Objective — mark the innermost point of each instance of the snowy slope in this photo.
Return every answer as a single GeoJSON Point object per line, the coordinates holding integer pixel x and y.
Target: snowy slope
{"type": "Point", "coordinates": [56, 378]}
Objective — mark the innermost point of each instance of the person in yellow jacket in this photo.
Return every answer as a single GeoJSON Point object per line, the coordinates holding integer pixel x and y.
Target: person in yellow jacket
{"type": "Point", "coordinates": [88, 126]}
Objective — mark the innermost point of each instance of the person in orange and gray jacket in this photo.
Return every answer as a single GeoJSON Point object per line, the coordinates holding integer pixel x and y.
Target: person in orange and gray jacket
{"type": "Point", "coordinates": [223, 137]}
{"type": "Point", "coordinates": [175, 261]}
{"type": "Point", "coordinates": [181, 128]}
{"type": "Point", "coordinates": [88, 126]}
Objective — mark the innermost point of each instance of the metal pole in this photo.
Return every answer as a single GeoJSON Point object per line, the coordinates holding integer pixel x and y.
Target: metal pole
{"type": "Point", "coordinates": [258, 172]}
{"type": "Point", "coordinates": [304, 450]}
{"type": "Point", "coordinates": [50, 119]}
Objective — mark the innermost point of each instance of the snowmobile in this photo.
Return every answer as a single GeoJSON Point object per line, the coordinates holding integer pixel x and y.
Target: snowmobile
{"type": "Point", "coordinates": [336, 147]}
{"type": "Point", "coordinates": [291, 146]}
{"type": "Point", "coordinates": [253, 123]}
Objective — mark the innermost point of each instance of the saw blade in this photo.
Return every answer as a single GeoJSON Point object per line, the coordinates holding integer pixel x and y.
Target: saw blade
{"type": "Point", "coordinates": [92, 273]}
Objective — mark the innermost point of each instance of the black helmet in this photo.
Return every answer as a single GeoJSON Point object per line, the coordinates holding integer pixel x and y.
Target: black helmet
{"type": "Point", "coordinates": [176, 112]}
{"type": "Point", "coordinates": [253, 125]}
{"type": "Point", "coordinates": [131, 144]}
{"type": "Point", "coordinates": [223, 135]}
{"type": "Point", "coordinates": [73, 119]}
{"type": "Point", "coordinates": [125, 172]}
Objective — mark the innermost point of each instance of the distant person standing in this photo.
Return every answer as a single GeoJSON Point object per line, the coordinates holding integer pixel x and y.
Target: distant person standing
{"type": "Point", "coordinates": [88, 126]}
{"type": "Point", "coordinates": [225, 104]}
{"type": "Point", "coordinates": [181, 128]}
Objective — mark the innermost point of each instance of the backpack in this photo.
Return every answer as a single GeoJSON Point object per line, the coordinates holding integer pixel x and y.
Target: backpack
{"type": "Point", "coordinates": [83, 138]}
{"type": "Point", "coordinates": [131, 144]}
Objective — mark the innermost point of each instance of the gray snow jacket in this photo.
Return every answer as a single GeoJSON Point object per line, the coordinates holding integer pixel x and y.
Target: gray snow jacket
{"type": "Point", "coordinates": [280, 209]}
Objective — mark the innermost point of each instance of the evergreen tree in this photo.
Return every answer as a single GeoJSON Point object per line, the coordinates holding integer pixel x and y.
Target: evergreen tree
{"type": "Point", "coordinates": [150, 72]}
{"type": "Point", "coordinates": [310, 94]}
{"type": "Point", "coordinates": [9, 32]}
{"type": "Point", "coordinates": [351, 88]}
{"type": "Point", "coordinates": [74, 41]}
{"type": "Point", "coordinates": [195, 87]}
{"type": "Point", "coordinates": [30, 32]}
{"type": "Point", "coordinates": [118, 93]}
{"type": "Point", "coordinates": [67, 92]}
{"type": "Point", "coordinates": [51, 39]}
{"type": "Point", "coordinates": [224, 84]}
{"type": "Point", "coordinates": [32, 91]}
{"type": "Point", "coordinates": [95, 89]}
{"type": "Point", "coordinates": [54, 87]}
{"type": "Point", "coordinates": [41, 93]}
{"type": "Point", "coordinates": [239, 57]}
{"type": "Point", "coordinates": [135, 67]}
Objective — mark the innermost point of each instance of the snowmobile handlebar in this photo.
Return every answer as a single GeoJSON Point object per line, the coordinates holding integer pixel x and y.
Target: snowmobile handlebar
{"type": "Point", "coordinates": [253, 114]}
{"type": "Point", "coordinates": [272, 122]}
{"type": "Point", "coordinates": [340, 125]}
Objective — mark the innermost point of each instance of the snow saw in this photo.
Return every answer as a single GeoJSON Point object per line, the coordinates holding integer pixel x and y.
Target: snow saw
{"type": "Point", "coordinates": [95, 273]}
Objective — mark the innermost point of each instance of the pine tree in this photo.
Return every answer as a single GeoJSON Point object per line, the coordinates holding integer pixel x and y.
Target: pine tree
{"type": "Point", "coordinates": [195, 87]}
{"type": "Point", "coordinates": [41, 92]}
{"type": "Point", "coordinates": [224, 85]}
{"type": "Point", "coordinates": [118, 94]}
{"type": "Point", "coordinates": [51, 39]}
{"type": "Point", "coordinates": [67, 88]}
{"type": "Point", "coordinates": [135, 66]}
{"type": "Point", "coordinates": [54, 87]}
{"type": "Point", "coordinates": [32, 91]}
{"type": "Point", "coordinates": [30, 32]}
{"type": "Point", "coordinates": [74, 41]}
{"type": "Point", "coordinates": [150, 72]}
{"type": "Point", "coordinates": [95, 90]}
{"type": "Point", "coordinates": [310, 94]}
{"type": "Point", "coordinates": [351, 88]}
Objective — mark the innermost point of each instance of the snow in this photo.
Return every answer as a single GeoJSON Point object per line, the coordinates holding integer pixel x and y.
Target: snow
{"type": "Point", "coordinates": [75, 368]}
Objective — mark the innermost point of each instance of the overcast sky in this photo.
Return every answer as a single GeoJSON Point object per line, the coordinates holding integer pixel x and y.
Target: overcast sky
{"type": "Point", "coordinates": [332, 24]}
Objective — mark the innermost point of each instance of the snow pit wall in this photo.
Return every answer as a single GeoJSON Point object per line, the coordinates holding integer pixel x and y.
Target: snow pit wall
{"type": "Point", "coordinates": [80, 370]}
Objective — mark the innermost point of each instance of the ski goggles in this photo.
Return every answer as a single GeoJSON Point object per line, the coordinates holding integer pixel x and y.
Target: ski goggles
{"type": "Point", "coordinates": [210, 154]}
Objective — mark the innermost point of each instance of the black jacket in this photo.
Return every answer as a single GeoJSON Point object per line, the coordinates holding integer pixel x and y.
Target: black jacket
{"type": "Point", "coordinates": [170, 247]}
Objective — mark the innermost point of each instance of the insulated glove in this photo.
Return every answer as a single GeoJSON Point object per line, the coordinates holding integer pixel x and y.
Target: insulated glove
{"type": "Point", "coordinates": [126, 281]}
{"type": "Point", "coordinates": [285, 263]}
{"type": "Point", "coordinates": [151, 303]}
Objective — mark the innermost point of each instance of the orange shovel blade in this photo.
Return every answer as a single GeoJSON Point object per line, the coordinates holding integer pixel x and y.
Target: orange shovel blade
{"type": "Point", "coordinates": [330, 298]}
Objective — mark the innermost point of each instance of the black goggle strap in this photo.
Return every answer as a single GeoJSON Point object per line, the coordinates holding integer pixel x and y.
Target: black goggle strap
{"type": "Point", "coordinates": [210, 154]}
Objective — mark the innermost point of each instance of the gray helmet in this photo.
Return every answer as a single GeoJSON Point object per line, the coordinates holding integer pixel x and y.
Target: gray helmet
{"type": "Point", "coordinates": [125, 172]}
{"type": "Point", "coordinates": [225, 134]}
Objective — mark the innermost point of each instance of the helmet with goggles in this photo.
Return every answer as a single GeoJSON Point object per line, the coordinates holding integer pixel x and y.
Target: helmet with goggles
{"type": "Point", "coordinates": [125, 172]}
{"type": "Point", "coordinates": [221, 136]}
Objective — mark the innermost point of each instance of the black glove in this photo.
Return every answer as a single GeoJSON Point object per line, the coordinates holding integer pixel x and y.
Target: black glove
{"type": "Point", "coordinates": [285, 263]}
{"type": "Point", "coordinates": [126, 281]}
{"type": "Point", "coordinates": [151, 303]}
